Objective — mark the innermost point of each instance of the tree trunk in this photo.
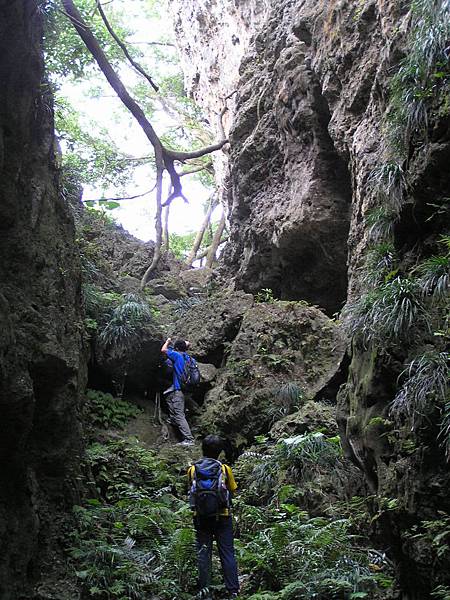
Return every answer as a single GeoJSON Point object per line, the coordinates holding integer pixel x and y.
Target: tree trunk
{"type": "Point", "coordinates": [199, 237]}
{"type": "Point", "coordinates": [215, 243]}
{"type": "Point", "coordinates": [165, 239]}
{"type": "Point", "coordinates": [158, 221]}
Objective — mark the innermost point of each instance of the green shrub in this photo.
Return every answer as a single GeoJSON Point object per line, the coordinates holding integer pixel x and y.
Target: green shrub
{"type": "Point", "coordinates": [423, 74]}
{"type": "Point", "coordinates": [287, 400]}
{"type": "Point", "coordinates": [380, 263]}
{"type": "Point", "coordinates": [265, 295]}
{"type": "Point", "coordinates": [303, 557]}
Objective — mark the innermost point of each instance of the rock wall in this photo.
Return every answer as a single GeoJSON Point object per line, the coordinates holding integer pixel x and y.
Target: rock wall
{"type": "Point", "coordinates": [306, 135]}
{"type": "Point", "coordinates": [41, 363]}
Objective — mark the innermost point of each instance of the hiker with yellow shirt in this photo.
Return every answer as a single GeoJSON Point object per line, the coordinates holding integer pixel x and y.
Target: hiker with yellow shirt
{"type": "Point", "coordinates": [211, 486]}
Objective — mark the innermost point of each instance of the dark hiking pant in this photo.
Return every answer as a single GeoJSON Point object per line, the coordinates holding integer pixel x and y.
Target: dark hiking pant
{"type": "Point", "coordinates": [221, 529]}
{"type": "Point", "coordinates": [175, 404]}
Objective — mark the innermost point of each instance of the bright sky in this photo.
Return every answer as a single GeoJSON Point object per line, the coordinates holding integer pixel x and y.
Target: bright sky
{"type": "Point", "coordinates": [137, 215]}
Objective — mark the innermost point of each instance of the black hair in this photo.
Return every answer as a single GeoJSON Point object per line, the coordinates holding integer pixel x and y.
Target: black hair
{"type": "Point", "coordinates": [180, 345]}
{"type": "Point", "coordinates": [212, 446]}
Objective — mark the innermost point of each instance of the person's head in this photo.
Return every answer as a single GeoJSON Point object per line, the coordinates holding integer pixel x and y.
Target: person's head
{"type": "Point", "coordinates": [180, 345]}
{"type": "Point", "coordinates": [212, 446]}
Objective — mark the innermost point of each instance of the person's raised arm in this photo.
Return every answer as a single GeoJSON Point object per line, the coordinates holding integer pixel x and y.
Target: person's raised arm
{"type": "Point", "coordinates": [166, 345]}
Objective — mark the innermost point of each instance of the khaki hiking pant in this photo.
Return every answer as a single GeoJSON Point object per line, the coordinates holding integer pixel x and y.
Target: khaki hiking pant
{"type": "Point", "coordinates": [175, 404]}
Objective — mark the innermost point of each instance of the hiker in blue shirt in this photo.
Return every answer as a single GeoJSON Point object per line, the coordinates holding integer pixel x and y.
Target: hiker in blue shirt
{"type": "Point", "coordinates": [174, 394]}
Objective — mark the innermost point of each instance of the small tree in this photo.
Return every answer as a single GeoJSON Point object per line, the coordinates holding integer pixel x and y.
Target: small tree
{"type": "Point", "coordinates": [165, 157]}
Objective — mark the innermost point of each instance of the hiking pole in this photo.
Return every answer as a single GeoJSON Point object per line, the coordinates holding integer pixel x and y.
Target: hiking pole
{"type": "Point", "coordinates": [157, 412]}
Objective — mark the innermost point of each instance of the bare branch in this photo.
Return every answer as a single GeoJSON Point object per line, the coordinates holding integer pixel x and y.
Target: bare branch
{"type": "Point", "coordinates": [203, 254]}
{"type": "Point", "coordinates": [201, 232]}
{"type": "Point", "coordinates": [113, 34]}
{"type": "Point", "coordinates": [196, 170]}
{"type": "Point", "coordinates": [211, 256]}
{"type": "Point", "coordinates": [121, 197]}
{"type": "Point", "coordinates": [182, 156]}
{"type": "Point", "coordinates": [168, 44]}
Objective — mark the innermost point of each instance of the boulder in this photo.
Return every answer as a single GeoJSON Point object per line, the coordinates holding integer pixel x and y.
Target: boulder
{"type": "Point", "coordinates": [278, 343]}
{"type": "Point", "coordinates": [211, 324]}
{"type": "Point", "coordinates": [196, 280]}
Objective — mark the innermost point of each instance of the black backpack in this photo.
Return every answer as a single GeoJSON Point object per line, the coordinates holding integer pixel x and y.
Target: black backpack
{"type": "Point", "coordinates": [208, 494]}
{"type": "Point", "coordinates": [190, 377]}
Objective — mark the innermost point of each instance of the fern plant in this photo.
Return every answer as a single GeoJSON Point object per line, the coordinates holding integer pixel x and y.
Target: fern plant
{"type": "Point", "coordinates": [103, 410]}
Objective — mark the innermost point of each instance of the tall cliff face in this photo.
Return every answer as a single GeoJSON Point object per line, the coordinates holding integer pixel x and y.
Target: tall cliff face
{"type": "Point", "coordinates": [307, 134]}
{"type": "Point", "coordinates": [40, 343]}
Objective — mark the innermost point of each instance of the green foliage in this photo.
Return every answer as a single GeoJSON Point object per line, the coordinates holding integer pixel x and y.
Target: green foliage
{"type": "Point", "coordinates": [434, 535]}
{"type": "Point", "coordinates": [65, 52]}
{"type": "Point", "coordinates": [125, 327]}
{"type": "Point", "coordinates": [434, 274]}
{"type": "Point", "coordinates": [380, 263]}
{"type": "Point", "coordinates": [389, 313]}
{"type": "Point", "coordinates": [425, 385]}
{"type": "Point", "coordinates": [442, 592]}
{"type": "Point", "coordinates": [103, 410]}
{"type": "Point", "coordinates": [308, 451]}
{"type": "Point", "coordinates": [380, 222]}
{"type": "Point", "coordinates": [423, 76]}
{"type": "Point", "coordinates": [277, 362]}
{"type": "Point", "coordinates": [289, 396]}
{"type": "Point", "coordinates": [265, 295]}
{"type": "Point", "coordinates": [389, 182]}
{"type": "Point", "coordinates": [181, 244]}
{"type": "Point", "coordinates": [445, 428]}
{"type": "Point", "coordinates": [89, 153]}
{"type": "Point", "coordinates": [301, 557]}
{"type": "Point", "coordinates": [134, 542]}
